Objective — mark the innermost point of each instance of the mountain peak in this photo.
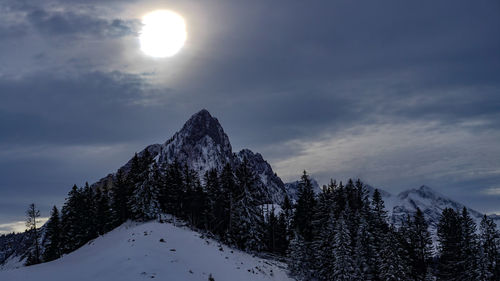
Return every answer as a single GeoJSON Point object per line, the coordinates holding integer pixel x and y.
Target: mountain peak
{"type": "Point", "coordinates": [201, 125]}
{"type": "Point", "coordinates": [425, 188]}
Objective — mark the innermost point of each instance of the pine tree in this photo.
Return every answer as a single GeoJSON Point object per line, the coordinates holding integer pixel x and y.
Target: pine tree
{"type": "Point", "coordinates": [324, 250]}
{"type": "Point", "coordinates": [144, 201]}
{"type": "Point", "coordinates": [343, 267]}
{"type": "Point", "coordinates": [300, 258]}
{"type": "Point", "coordinates": [88, 214]}
{"type": "Point", "coordinates": [364, 253]}
{"type": "Point", "coordinates": [378, 227]}
{"type": "Point", "coordinates": [228, 188]}
{"type": "Point", "coordinates": [171, 194]}
{"type": "Point", "coordinates": [450, 266]}
{"type": "Point", "coordinates": [247, 217]}
{"type": "Point", "coordinates": [120, 195]}
{"type": "Point", "coordinates": [304, 210]}
{"type": "Point", "coordinates": [190, 184]}
{"type": "Point", "coordinates": [489, 250]}
{"type": "Point", "coordinates": [215, 208]}
{"type": "Point", "coordinates": [323, 209]}
{"type": "Point", "coordinates": [282, 235]}
{"type": "Point", "coordinates": [271, 228]}
{"type": "Point", "coordinates": [53, 237]}
{"type": "Point", "coordinates": [420, 246]}
{"type": "Point", "coordinates": [469, 248]}
{"type": "Point", "coordinates": [104, 216]}
{"type": "Point", "coordinates": [74, 233]}
{"type": "Point", "coordinates": [32, 221]}
{"type": "Point", "coordinates": [287, 210]}
{"type": "Point", "coordinates": [393, 266]}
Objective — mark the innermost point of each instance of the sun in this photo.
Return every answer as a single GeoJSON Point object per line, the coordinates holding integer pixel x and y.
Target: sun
{"type": "Point", "coordinates": [163, 33]}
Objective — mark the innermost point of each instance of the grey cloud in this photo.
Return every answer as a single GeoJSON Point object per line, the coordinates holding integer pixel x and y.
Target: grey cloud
{"type": "Point", "coordinates": [93, 107]}
{"type": "Point", "coordinates": [71, 23]}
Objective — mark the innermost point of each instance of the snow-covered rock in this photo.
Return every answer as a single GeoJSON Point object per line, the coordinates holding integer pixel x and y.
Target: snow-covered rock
{"type": "Point", "coordinates": [203, 145]}
{"type": "Point", "coordinates": [429, 201]}
{"type": "Point", "coordinates": [144, 251]}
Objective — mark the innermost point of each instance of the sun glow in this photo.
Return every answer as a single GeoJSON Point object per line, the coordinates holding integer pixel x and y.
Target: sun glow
{"type": "Point", "coordinates": [163, 33]}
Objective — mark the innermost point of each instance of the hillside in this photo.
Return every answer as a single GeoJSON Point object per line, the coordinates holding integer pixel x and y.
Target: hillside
{"type": "Point", "coordinates": [133, 251]}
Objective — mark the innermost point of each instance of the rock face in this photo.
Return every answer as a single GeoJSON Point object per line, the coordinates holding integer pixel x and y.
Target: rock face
{"type": "Point", "coordinates": [203, 145]}
{"type": "Point", "coordinates": [273, 187]}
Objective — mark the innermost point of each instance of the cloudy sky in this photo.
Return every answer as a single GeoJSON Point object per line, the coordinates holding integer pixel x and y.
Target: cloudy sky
{"type": "Point", "coordinates": [398, 93]}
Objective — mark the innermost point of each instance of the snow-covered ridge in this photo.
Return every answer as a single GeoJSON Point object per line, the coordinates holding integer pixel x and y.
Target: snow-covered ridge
{"type": "Point", "coordinates": [142, 251]}
{"type": "Point", "coordinates": [430, 202]}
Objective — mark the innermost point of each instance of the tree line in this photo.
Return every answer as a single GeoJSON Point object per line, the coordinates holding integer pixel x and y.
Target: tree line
{"type": "Point", "coordinates": [228, 204]}
{"type": "Point", "coordinates": [343, 234]}
{"type": "Point", "coordinates": [339, 234]}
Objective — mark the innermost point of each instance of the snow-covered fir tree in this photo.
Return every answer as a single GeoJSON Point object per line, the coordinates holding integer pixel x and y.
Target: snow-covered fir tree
{"type": "Point", "coordinates": [247, 216]}
{"type": "Point", "coordinates": [343, 266]}
{"type": "Point", "coordinates": [144, 203]}
{"type": "Point", "coordinates": [489, 250]}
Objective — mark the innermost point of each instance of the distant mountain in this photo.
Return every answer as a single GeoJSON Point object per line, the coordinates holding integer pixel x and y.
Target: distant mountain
{"type": "Point", "coordinates": [430, 202]}
{"type": "Point", "coordinates": [400, 206]}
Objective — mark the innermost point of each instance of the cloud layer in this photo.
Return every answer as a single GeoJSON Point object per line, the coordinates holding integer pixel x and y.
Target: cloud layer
{"type": "Point", "coordinates": [399, 94]}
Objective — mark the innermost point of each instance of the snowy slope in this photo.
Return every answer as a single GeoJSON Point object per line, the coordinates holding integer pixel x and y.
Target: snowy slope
{"type": "Point", "coordinates": [134, 252]}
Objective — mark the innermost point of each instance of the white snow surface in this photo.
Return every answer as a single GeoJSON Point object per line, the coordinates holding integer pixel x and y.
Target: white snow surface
{"type": "Point", "coordinates": [133, 251]}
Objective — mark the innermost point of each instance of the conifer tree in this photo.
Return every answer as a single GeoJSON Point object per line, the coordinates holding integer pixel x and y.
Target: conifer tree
{"type": "Point", "coordinates": [215, 207]}
{"type": "Point", "coordinates": [32, 223]}
{"type": "Point", "coordinates": [378, 226]}
{"type": "Point", "coordinates": [247, 220]}
{"type": "Point", "coordinates": [270, 235]}
{"type": "Point", "coordinates": [364, 253]}
{"type": "Point", "coordinates": [282, 235]}
{"type": "Point", "coordinates": [304, 209]}
{"type": "Point", "coordinates": [323, 209]}
{"type": "Point", "coordinates": [489, 250]}
{"type": "Point", "coordinates": [53, 237]}
{"type": "Point", "coordinates": [393, 266]}
{"type": "Point", "coordinates": [88, 213]}
{"type": "Point", "coordinates": [469, 248]}
{"type": "Point", "coordinates": [287, 211]}
{"type": "Point", "coordinates": [74, 233]}
{"type": "Point", "coordinates": [104, 217]}
{"type": "Point", "coordinates": [120, 195]}
{"type": "Point", "coordinates": [450, 266]}
{"type": "Point", "coordinates": [190, 185]}
{"type": "Point", "coordinates": [300, 258]}
{"type": "Point", "coordinates": [144, 201]}
{"type": "Point", "coordinates": [343, 267]}
{"type": "Point", "coordinates": [227, 200]}
{"type": "Point", "coordinates": [173, 189]}
{"type": "Point", "coordinates": [421, 246]}
{"type": "Point", "coordinates": [324, 250]}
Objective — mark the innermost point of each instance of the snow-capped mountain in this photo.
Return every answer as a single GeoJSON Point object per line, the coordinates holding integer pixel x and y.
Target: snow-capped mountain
{"type": "Point", "coordinates": [158, 251]}
{"type": "Point", "coordinates": [203, 145]}
{"type": "Point", "coordinates": [430, 202]}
